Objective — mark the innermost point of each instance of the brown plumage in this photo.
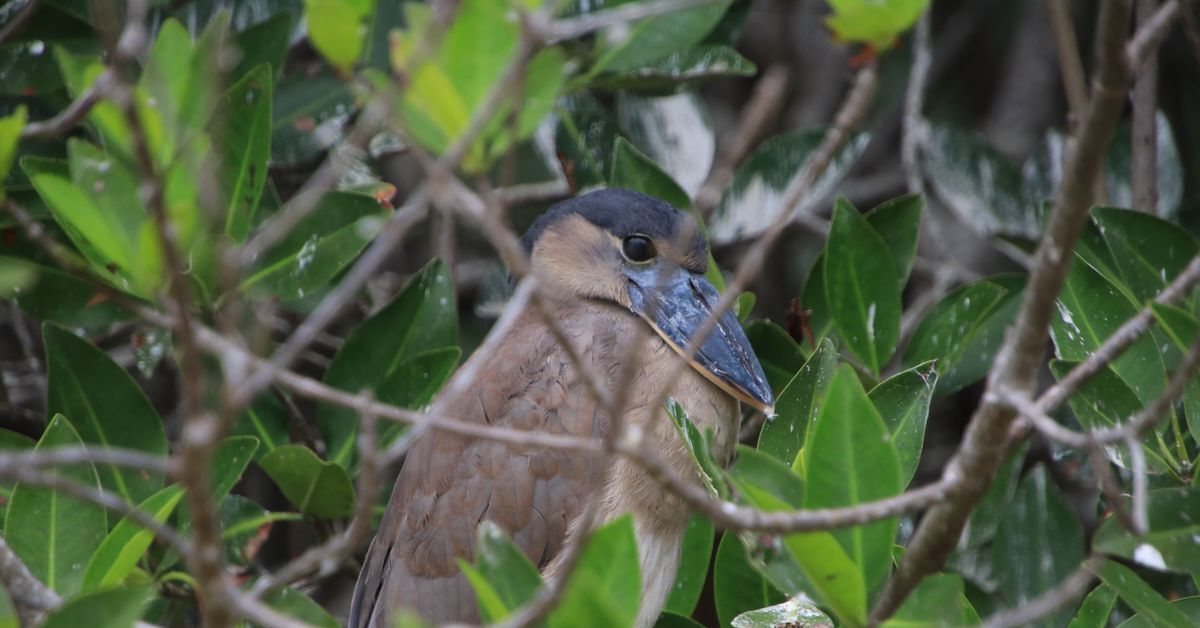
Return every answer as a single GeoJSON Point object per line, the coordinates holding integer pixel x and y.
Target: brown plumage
{"type": "Point", "coordinates": [449, 484]}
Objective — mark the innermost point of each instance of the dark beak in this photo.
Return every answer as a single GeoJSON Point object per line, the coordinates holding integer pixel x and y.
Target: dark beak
{"type": "Point", "coordinates": [676, 303]}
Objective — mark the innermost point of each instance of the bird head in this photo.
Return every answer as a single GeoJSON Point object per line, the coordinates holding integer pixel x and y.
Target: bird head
{"type": "Point", "coordinates": [641, 254]}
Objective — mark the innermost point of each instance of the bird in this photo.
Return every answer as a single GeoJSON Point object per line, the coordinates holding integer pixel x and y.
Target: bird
{"type": "Point", "coordinates": [615, 268]}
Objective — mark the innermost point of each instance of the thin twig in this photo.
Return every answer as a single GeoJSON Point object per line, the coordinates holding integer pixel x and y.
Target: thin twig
{"type": "Point", "coordinates": [29, 594]}
{"type": "Point", "coordinates": [1070, 66]}
{"type": "Point", "coordinates": [18, 21]}
{"type": "Point", "coordinates": [580, 25]}
{"type": "Point", "coordinates": [1143, 176]}
{"type": "Point", "coordinates": [66, 119]}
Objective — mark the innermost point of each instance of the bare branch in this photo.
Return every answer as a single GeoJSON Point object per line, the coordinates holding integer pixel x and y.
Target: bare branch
{"type": "Point", "coordinates": [65, 120]}
{"type": "Point", "coordinates": [1070, 66]}
{"type": "Point", "coordinates": [29, 594]}
{"type": "Point", "coordinates": [578, 26]}
{"type": "Point", "coordinates": [914, 128]}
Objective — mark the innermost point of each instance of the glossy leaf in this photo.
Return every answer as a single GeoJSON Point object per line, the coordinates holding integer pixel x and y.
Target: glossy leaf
{"type": "Point", "coordinates": [414, 382]}
{"type": "Point", "coordinates": [10, 134]}
{"type": "Point", "coordinates": [699, 446]}
{"type": "Point", "coordinates": [1189, 606]}
{"type": "Point", "coordinates": [986, 516]}
{"type": "Point", "coordinates": [246, 141]}
{"type": "Point", "coordinates": [1090, 310]}
{"type": "Point", "coordinates": [835, 574]}
{"type": "Point", "coordinates": [898, 222]}
{"type": "Point", "coordinates": [754, 473]}
{"type": "Point", "coordinates": [56, 295]}
{"type": "Point", "coordinates": [120, 551]}
{"type": "Point", "coordinates": [862, 287]}
{"type": "Point", "coordinates": [674, 132]}
{"type": "Point", "coordinates": [937, 601]}
{"type": "Point", "coordinates": [1140, 596]}
{"type": "Point", "coordinates": [606, 586]}
{"type": "Point", "coordinates": [503, 578]}
{"type": "Point", "coordinates": [903, 402]}
{"type": "Point", "coordinates": [318, 247]}
{"type": "Point", "coordinates": [630, 46]}
{"type": "Point", "coordinates": [53, 533]}
{"type": "Point", "coordinates": [755, 196]}
{"type": "Point", "coordinates": [1095, 609]}
{"type": "Point", "coordinates": [779, 355]}
{"type": "Point", "coordinates": [229, 461]}
{"type": "Point", "coordinates": [794, 613]}
{"type": "Point", "coordinates": [1038, 544]}
{"type": "Point", "coordinates": [1181, 327]}
{"type": "Point", "coordinates": [1168, 169]}
{"type": "Point", "coordinates": [585, 135]}
{"type": "Point", "coordinates": [246, 526]}
{"type": "Point", "coordinates": [309, 111]}
{"type": "Point", "coordinates": [422, 317]}
{"type": "Point", "coordinates": [632, 170]}
{"type": "Point", "coordinates": [737, 586]}
{"type": "Point", "coordinates": [1148, 251]}
{"type": "Point", "coordinates": [680, 68]}
{"type": "Point", "coordinates": [318, 488]}
{"type": "Point", "coordinates": [982, 186]}
{"type": "Point", "coordinates": [694, 560]}
{"type": "Point", "coordinates": [105, 406]}
{"type": "Point", "coordinates": [850, 459]}
{"type": "Point", "coordinates": [1105, 401]}
{"type": "Point", "coordinates": [947, 331]}
{"type": "Point", "coordinates": [796, 406]}
{"type": "Point", "coordinates": [670, 619]}
{"type": "Point", "coordinates": [336, 28]}
{"type": "Point", "coordinates": [295, 604]}
{"type": "Point", "coordinates": [1170, 544]}
{"type": "Point", "coordinates": [111, 608]}
{"type": "Point", "coordinates": [266, 420]}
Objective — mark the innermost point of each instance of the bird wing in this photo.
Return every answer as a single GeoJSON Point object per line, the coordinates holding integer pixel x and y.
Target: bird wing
{"type": "Point", "coordinates": [449, 484]}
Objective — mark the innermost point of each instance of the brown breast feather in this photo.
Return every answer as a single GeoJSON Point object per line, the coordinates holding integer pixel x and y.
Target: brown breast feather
{"type": "Point", "coordinates": [448, 484]}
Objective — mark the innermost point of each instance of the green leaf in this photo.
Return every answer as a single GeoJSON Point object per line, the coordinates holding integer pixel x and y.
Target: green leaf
{"type": "Point", "coordinates": [229, 462]}
{"type": "Point", "coordinates": [265, 42]}
{"type": "Point", "coordinates": [1170, 544]}
{"type": "Point", "coordinates": [674, 132]}
{"type": "Point", "coordinates": [737, 586]}
{"type": "Point", "coordinates": [755, 197]}
{"type": "Point", "coordinates": [414, 383]}
{"type": "Point", "coordinates": [55, 534]}
{"type": "Point", "coordinates": [682, 67]}
{"type": "Point", "coordinates": [836, 577]}
{"type": "Point", "coordinates": [8, 613]}
{"type": "Point", "coordinates": [815, 300]}
{"type": "Point", "coordinates": [318, 488]}
{"type": "Point", "coordinates": [317, 248]}
{"type": "Point", "coordinates": [871, 22]}
{"type": "Point", "coordinates": [584, 139]}
{"type": "Point", "coordinates": [10, 136]}
{"type": "Point", "coordinates": [850, 459]}
{"type": "Point", "coordinates": [1104, 400]}
{"type": "Point", "coordinates": [862, 287]}
{"type": "Point", "coordinates": [1189, 606]}
{"type": "Point", "coordinates": [56, 295]}
{"type": "Point", "coordinates": [1096, 608]}
{"type": "Point", "coordinates": [337, 29]}
{"type": "Point", "coordinates": [1090, 309]}
{"type": "Point", "coordinates": [245, 526]}
{"type": "Point", "coordinates": [1148, 251]}
{"type": "Point", "coordinates": [779, 355]}
{"type": "Point", "coordinates": [903, 402]}
{"type": "Point", "coordinates": [606, 586]}
{"type": "Point", "coordinates": [797, 612]}
{"type": "Point", "coordinates": [112, 608]}
{"type": "Point", "coordinates": [1181, 327]}
{"type": "Point", "coordinates": [699, 446]}
{"type": "Point", "coordinates": [1038, 544]}
{"type": "Point", "coordinates": [1154, 608]}
{"type": "Point", "coordinates": [937, 601]}
{"type": "Point", "coordinates": [756, 475]}
{"type": "Point", "coordinates": [266, 420]}
{"type": "Point", "coordinates": [795, 408]}
{"type": "Point", "coordinates": [1169, 171]}
{"type": "Point", "coordinates": [694, 560]}
{"type": "Point", "coordinates": [120, 551]}
{"type": "Point", "coordinates": [983, 187]}
{"type": "Point", "coordinates": [308, 109]}
{"type": "Point", "coordinates": [503, 578]}
{"type": "Point", "coordinates": [669, 619]}
{"type": "Point", "coordinates": [422, 317]}
{"type": "Point", "coordinates": [947, 331]}
{"type": "Point", "coordinates": [246, 142]}
{"type": "Point", "coordinates": [630, 46]}
{"type": "Point", "coordinates": [898, 222]}
{"type": "Point", "coordinates": [294, 604]}
{"type": "Point", "coordinates": [106, 406]}
{"type": "Point", "coordinates": [11, 441]}
{"type": "Point", "coordinates": [634, 171]}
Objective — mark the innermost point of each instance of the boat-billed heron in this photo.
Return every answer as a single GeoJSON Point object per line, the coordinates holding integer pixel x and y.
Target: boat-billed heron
{"type": "Point", "coordinates": [619, 270]}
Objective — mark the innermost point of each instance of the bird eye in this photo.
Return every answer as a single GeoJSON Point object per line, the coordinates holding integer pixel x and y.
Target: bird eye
{"type": "Point", "coordinates": [638, 248]}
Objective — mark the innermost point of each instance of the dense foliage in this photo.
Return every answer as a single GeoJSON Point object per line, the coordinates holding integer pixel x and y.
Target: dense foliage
{"type": "Point", "coordinates": [237, 162]}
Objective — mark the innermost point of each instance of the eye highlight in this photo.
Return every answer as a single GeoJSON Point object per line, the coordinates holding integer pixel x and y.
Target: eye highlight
{"type": "Point", "coordinates": [638, 249]}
